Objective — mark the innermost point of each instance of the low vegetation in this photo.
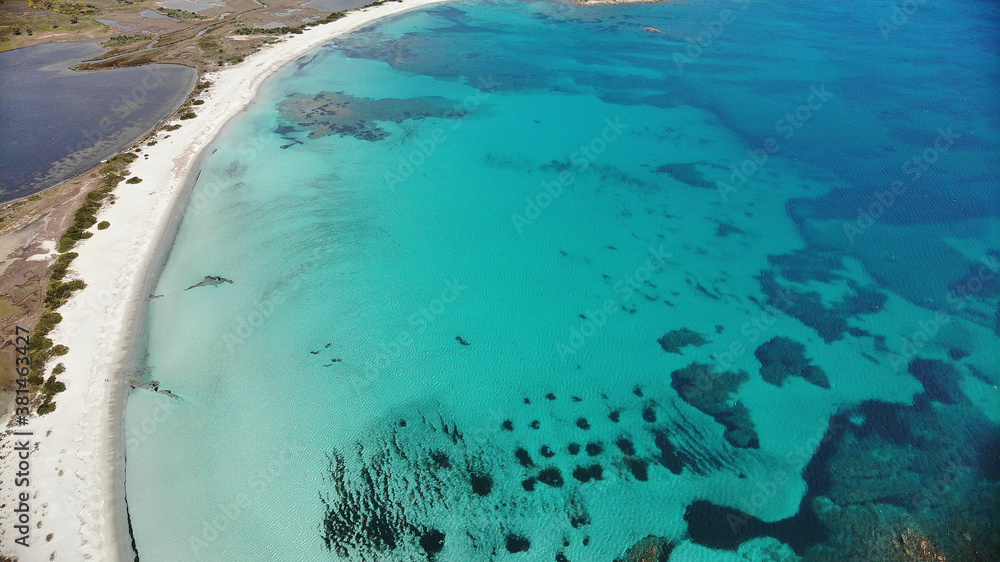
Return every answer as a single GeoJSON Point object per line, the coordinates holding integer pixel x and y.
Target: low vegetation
{"type": "Point", "coordinates": [267, 30]}
{"type": "Point", "coordinates": [122, 40]}
{"type": "Point", "coordinates": [41, 348]}
{"type": "Point", "coordinates": [180, 14]}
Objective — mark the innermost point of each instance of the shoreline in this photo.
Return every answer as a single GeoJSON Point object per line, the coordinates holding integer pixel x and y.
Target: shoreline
{"type": "Point", "coordinates": [78, 465]}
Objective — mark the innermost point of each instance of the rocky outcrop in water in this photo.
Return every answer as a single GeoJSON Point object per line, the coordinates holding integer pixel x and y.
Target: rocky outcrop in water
{"type": "Point", "coordinates": [782, 357]}
{"type": "Point", "coordinates": [649, 549]}
{"type": "Point", "coordinates": [210, 281]}
{"type": "Point", "coordinates": [674, 340]}
{"type": "Point", "coordinates": [698, 385]}
{"type": "Point", "coordinates": [337, 113]}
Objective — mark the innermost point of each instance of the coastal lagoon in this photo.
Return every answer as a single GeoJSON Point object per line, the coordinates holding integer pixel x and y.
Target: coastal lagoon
{"type": "Point", "coordinates": [56, 123]}
{"type": "Point", "coordinates": [530, 281]}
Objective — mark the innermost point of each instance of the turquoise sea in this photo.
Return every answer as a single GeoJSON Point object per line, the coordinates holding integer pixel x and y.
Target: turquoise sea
{"type": "Point", "coordinates": [533, 281]}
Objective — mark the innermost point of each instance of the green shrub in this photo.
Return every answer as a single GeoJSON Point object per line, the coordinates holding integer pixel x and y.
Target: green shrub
{"type": "Point", "coordinates": [52, 386]}
{"type": "Point", "coordinates": [59, 350]}
{"type": "Point", "coordinates": [59, 369]}
{"type": "Point", "coordinates": [47, 406]}
{"type": "Point", "coordinates": [61, 265]}
{"type": "Point", "coordinates": [46, 323]}
{"type": "Point", "coordinates": [60, 292]}
{"type": "Point", "coordinates": [188, 115]}
{"type": "Point", "coordinates": [197, 102]}
{"type": "Point", "coordinates": [103, 225]}
{"type": "Point", "coordinates": [171, 127]}
{"type": "Point", "coordinates": [134, 180]}
{"type": "Point", "coordinates": [267, 31]}
{"type": "Point", "coordinates": [122, 40]}
{"type": "Point", "coordinates": [180, 14]}
{"type": "Point", "coordinates": [332, 17]}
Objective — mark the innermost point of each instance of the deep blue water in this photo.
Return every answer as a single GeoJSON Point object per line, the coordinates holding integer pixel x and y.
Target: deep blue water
{"type": "Point", "coordinates": [533, 281]}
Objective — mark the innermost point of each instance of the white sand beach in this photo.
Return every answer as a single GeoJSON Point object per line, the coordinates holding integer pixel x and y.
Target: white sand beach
{"type": "Point", "coordinates": [76, 468]}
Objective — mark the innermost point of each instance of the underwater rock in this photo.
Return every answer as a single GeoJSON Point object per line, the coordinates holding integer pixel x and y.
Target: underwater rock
{"type": "Point", "coordinates": [673, 341]}
{"type": "Point", "coordinates": [210, 281]}
{"type": "Point", "coordinates": [460, 340]}
{"type": "Point", "coordinates": [552, 477]}
{"type": "Point", "coordinates": [441, 459]}
{"type": "Point", "coordinates": [903, 467]}
{"type": "Point", "coordinates": [808, 308]}
{"type": "Point", "coordinates": [698, 385]}
{"type": "Point", "coordinates": [912, 546]}
{"type": "Point", "coordinates": [649, 549]}
{"type": "Point", "coordinates": [724, 229]}
{"type": "Point", "coordinates": [649, 414]}
{"type": "Point", "coordinates": [482, 484]}
{"type": "Point", "coordinates": [517, 544]}
{"type": "Point", "coordinates": [432, 541]}
{"type": "Point", "coordinates": [638, 467]}
{"type": "Point", "coordinates": [687, 173]}
{"type": "Point", "coordinates": [724, 528]}
{"type": "Point", "coordinates": [668, 456]}
{"type": "Point", "coordinates": [361, 516]}
{"type": "Point", "coordinates": [586, 474]}
{"type": "Point", "coordinates": [625, 446]}
{"type": "Point", "coordinates": [524, 457]}
{"type": "Point", "coordinates": [338, 113]}
{"type": "Point", "coordinates": [940, 380]}
{"type": "Point", "coordinates": [782, 357]}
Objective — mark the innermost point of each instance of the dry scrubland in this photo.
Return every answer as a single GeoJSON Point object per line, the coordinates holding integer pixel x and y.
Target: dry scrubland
{"type": "Point", "coordinates": [205, 40]}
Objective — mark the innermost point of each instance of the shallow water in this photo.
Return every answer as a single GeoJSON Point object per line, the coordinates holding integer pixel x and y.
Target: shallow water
{"type": "Point", "coordinates": [513, 275]}
{"type": "Point", "coordinates": [56, 123]}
